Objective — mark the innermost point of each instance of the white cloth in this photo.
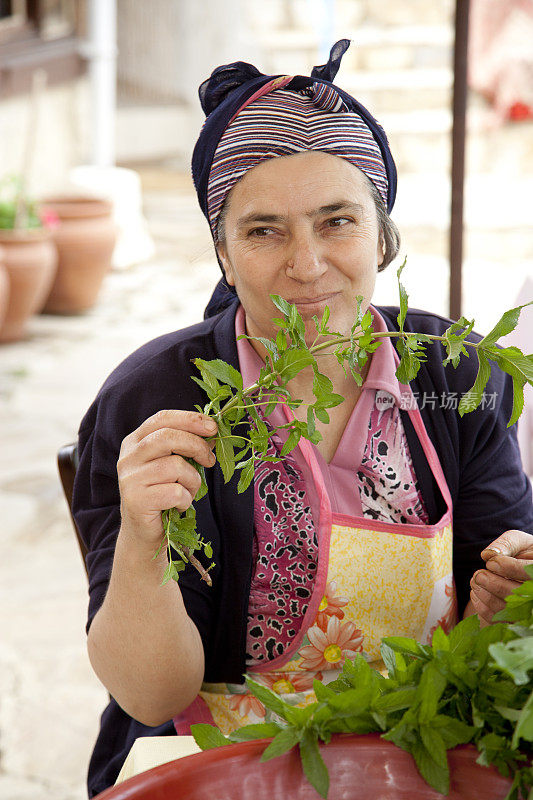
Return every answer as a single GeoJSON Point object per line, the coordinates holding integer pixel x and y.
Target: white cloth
{"type": "Point", "coordinates": [151, 751]}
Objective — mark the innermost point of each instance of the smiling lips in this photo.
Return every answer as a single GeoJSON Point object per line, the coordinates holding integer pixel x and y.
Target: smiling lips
{"type": "Point", "coordinates": [297, 301]}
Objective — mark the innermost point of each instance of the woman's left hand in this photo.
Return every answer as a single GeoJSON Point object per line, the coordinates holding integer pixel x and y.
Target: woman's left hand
{"type": "Point", "coordinates": [504, 570]}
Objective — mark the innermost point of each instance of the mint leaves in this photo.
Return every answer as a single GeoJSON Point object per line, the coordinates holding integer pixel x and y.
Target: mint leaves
{"type": "Point", "coordinates": [243, 436]}
{"type": "Point", "coordinates": [473, 685]}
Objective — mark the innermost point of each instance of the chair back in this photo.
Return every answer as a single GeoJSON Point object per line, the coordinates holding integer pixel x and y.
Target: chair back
{"type": "Point", "coordinates": [67, 462]}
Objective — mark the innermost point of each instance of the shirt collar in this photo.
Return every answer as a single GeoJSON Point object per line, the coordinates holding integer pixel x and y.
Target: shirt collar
{"type": "Point", "coordinates": [381, 373]}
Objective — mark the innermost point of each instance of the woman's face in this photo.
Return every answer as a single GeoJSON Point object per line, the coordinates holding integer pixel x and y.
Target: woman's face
{"type": "Point", "coordinates": [304, 227]}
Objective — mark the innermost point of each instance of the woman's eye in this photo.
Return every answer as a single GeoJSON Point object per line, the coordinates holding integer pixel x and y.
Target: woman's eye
{"type": "Point", "coordinates": [338, 222]}
{"type": "Point", "coordinates": [260, 232]}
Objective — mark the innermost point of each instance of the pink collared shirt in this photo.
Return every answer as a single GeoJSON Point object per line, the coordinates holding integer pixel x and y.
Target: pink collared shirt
{"type": "Point", "coordinates": [358, 468]}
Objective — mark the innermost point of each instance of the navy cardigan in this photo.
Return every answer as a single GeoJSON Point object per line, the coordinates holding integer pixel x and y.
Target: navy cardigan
{"type": "Point", "coordinates": [478, 453]}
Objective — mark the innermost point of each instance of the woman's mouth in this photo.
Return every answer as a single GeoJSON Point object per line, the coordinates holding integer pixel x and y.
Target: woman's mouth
{"type": "Point", "coordinates": [309, 306]}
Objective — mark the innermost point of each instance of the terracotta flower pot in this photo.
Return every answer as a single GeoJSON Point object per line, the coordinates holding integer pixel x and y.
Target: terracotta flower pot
{"type": "Point", "coordinates": [360, 768]}
{"type": "Point", "coordinates": [30, 258]}
{"type": "Point", "coordinates": [4, 288]}
{"type": "Point", "coordinates": [85, 238]}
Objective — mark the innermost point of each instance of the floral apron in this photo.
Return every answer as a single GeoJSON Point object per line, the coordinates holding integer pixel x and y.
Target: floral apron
{"type": "Point", "coordinates": [374, 579]}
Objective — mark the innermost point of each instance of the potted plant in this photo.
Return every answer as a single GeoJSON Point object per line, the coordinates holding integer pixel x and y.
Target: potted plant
{"type": "Point", "coordinates": [4, 287]}
{"type": "Point", "coordinates": [85, 238]}
{"type": "Point", "coordinates": [29, 256]}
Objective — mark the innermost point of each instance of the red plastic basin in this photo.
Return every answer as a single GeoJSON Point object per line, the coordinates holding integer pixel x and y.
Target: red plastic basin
{"type": "Point", "coordinates": [360, 768]}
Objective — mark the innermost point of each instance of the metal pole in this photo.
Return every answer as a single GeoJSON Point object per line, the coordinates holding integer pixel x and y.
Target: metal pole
{"type": "Point", "coordinates": [460, 58]}
{"type": "Point", "coordinates": [102, 51]}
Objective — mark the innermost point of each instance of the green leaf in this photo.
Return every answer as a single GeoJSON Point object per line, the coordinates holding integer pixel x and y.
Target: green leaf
{"type": "Point", "coordinates": [225, 457]}
{"type": "Point", "coordinates": [462, 637]}
{"type": "Point", "coordinates": [505, 325]}
{"type": "Point", "coordinates": [520, 367]}
{"type": "Point", "coordinates": [515, 658]}
{"type": "Point", "coordinates": [246, 476]}
{"type": "Point", "coordinates": [322, 415]}
{"type": "Point", "coordinates": [402, 644]}
{"type": "Point", "coordinates": [454, 341]}
{"type": "Point", "coordinates": [282, 742]}
{"type": "Point", "coordinates": [409, 364]}
{"type": "Point", "coordinates": [513, 361]}
{"type": "Point", "coordinates": [322, 691]}
{"type": "Point", "coordinates": [524, 726]}
{"type": "Point", "coordinates": [292, 440]}
{"type": "Point", "coordinates": [472, 399]}
{"type": "Point", "coordinates": [281, 304]}
{"type": "Point", "coordinates": [313, 765]}
{"type": "Point", "coordinates": [223, 372]}
{"type": "Point", "coordinates": [262, 730]}
{"type": "Point", "coordinates": [436, 775]}
{"type": "Point", "coordinates": [269, 699]}
{"type": "Point", "coordinates": [208, 736]}
{"type": "Point", "coordinates": [404, 300]}
{"type": "Point", "coordinates": [430, 689]}
{"type": "Point", "coordinates": [311, 427]}
{"type": "Point", "coordinates": [434, 744]}
{"type": "Point", "coordinates": [453, 731]}
{"type": "Point", "coordinates": [395, 701]}
{"type": "Point", "coordinates": [440, 641]}
{"type": "Point", "coordinates": [291, 362]}
{"type": "Point", "coordinates": [281, 341]}
{"type": "Point", "coordinates": [322, 386]}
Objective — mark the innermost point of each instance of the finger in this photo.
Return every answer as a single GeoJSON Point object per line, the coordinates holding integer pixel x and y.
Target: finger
{"type": "Point", "coordinates": [171, 469]}
{"type": "Point", "coordinates": [510, 543]}
{"type": "Point", "coordinates": [168, 441]}
{"type": "Point", "coordinates": [484, 613]}
{"type": "Point", "coordinates": [169, 495]}
{"type": "Point", "coordinates": [511, 568]}
{"type": "Point", "coordinates": [494, 584]}
{"type": "Point", "coordinates": [191, 421]}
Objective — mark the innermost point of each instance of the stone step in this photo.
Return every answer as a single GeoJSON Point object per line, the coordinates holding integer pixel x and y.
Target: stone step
{"type": "Point", "coordinates": [491, 202]}
{"type": "Point", "coordinates": [387, 13]}
{"type": "Point", "coordinates": [372, 48]}
{"type": "Point", "coordinates": [344, 16]}
{"type": "Point", "coordinates": [421, 140]}
{"type": "Point", "coordinates": [400, 89]}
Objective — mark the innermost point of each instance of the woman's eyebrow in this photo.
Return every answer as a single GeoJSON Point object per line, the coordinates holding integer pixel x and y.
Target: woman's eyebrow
{"type": "Point", "coordinates": [258, 216]}
{"type": "Point", "coordinates": [342, 205]}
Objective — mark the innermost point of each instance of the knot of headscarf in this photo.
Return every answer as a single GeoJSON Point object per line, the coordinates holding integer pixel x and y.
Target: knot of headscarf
{"type": "Point", "coordinates": [228, 77]}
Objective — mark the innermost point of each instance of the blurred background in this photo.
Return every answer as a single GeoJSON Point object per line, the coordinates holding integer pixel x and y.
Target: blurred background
{"type": "Point", "coordinates": [99, 113]}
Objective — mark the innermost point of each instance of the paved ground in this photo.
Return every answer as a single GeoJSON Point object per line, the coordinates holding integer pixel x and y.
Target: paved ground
{"type": "Point", "coordinates": [50, 700]}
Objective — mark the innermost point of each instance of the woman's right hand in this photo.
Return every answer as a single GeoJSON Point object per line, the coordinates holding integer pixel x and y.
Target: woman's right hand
{"type": "Point", "coordinates": [153, 474]}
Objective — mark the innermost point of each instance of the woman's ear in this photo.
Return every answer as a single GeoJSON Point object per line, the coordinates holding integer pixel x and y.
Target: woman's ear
{"type": "Point", "coordinates": [381, 249]}
{"type": "Point", "coordinates": [226, 264]}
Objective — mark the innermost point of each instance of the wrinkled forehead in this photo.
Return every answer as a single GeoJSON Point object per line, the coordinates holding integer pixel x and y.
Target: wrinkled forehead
{"type": "Point", "coordinates": [285, 122]}
{"type": "Point", "coordinates": [298, 184]}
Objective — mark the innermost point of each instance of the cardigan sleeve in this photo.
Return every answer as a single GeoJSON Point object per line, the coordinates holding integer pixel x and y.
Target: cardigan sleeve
{"type": "Point", "coordinates": [494, 494]}
{"type": "Point", "coordinates": [96, 497]}
{"type": "Point", "coordinates": [479, 454]}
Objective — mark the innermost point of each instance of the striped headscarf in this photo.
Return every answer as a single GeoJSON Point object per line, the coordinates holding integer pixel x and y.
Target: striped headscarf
{"type": "Point", "coordinates": [282, 122]}
{"type": "Point", "coordinates": [251, 117]}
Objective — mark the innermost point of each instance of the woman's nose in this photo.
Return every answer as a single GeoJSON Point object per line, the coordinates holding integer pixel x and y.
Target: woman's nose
{"type": "Point", "coordinates": [305, 261]}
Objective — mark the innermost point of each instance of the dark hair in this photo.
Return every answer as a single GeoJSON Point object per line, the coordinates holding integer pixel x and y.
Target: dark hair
{"type": "Point", "coordinates": [387, 228]}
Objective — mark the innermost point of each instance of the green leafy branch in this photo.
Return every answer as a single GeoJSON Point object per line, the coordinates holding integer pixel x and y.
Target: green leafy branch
{"type": "Point", "coordinates": [243, 435]}
{"type": "Point", "coordinates": [472, 685]}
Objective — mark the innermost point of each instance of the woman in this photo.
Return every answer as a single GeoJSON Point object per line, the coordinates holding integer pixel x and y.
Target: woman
{"type": "Point", "coordinates": [377, 530]}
